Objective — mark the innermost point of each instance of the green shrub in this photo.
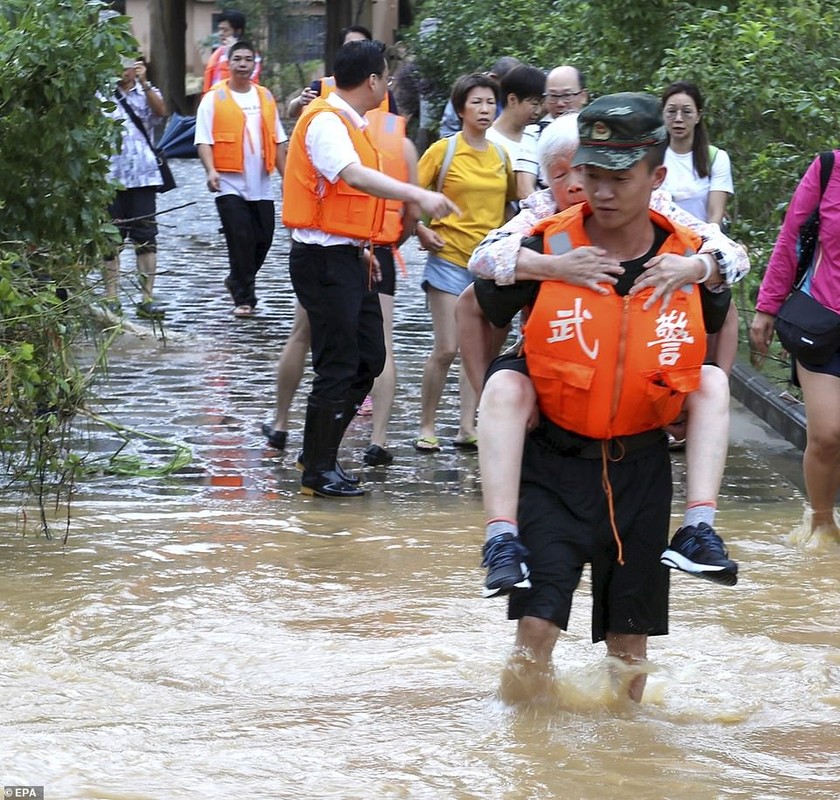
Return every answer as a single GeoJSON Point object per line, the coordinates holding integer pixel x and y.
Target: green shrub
{"type": "Point", "coordinates": [770, 73]}
{"type": "Point", "coordinates": [58, 59]}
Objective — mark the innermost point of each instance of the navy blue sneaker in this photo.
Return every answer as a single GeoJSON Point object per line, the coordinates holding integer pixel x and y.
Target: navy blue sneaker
{"type": "Point", "coordinates": [698, 550]}
{"type": "Point", "coordinates": [504, 558]}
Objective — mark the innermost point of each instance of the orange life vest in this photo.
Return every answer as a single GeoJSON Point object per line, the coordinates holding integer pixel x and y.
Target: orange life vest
{"type": "Point", "coordinates": [218, 69]}
{"type": "Point", "coordinates": [328, 87]}
{"type": "Point", "coordinates": [388, 134]}
{"type": "Point", "coordinates": [600, 364]}
{"type": "Point", "coordinates": [310, 201]}
{"type": "Point", "coordinates": [229, 130]}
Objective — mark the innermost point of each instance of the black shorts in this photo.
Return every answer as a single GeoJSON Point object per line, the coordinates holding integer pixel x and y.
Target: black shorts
{"type": "Point", "coordinates": [388, 284]}
{"type": "Point", "coordinates": [564, 522]}
{"type": "Point", "coordinates": [130, 204]}
{"type": "Point", "coordinates": [831, 367]}
{"type": "Point", "coordinates": [514, 361]}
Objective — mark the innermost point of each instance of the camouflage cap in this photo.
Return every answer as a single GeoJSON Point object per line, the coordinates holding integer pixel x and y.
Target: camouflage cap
{"type": "Point", "coordinates": [617, 130]}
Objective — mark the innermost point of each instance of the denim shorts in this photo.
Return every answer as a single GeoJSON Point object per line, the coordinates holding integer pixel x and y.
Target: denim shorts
{"type": "Point", "coordinates": [445, 276]}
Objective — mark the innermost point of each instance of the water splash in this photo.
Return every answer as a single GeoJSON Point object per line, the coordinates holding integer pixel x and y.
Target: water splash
{"type": "Point", "coordinates": [823, 539]}
{"type": "Point", "coordinates": [603, 687]}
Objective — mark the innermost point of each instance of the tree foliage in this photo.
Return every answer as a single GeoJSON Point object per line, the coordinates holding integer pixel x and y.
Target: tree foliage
{"type": "Point", "coordinates": [771, 74]}
{"type": "Point", "coordinates": [55, 57]}
{"type": "Point", "coordinates": [265, 21]}
{"type": "Point", "coordinates": [769, 71]}
{"type": "Point", "coordinates": [470, 36]}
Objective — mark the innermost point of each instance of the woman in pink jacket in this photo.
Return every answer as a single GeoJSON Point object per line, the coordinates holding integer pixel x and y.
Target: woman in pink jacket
{"type": "Point", "coordinates": [820, 383]}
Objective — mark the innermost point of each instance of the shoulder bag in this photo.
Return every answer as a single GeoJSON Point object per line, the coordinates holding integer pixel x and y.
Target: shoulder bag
{"type": "Point", "coordinates": [808, 330]}
{"type": "Point", "coordinates": [162, 164]}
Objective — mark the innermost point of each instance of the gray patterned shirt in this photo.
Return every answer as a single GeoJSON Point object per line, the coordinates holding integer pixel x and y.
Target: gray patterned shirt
{"type": "Point", "coordinates": [135, 166]}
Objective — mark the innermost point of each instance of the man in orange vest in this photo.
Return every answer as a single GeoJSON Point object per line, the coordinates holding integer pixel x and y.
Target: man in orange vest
{"type": "Point", "coordinates": [399, 160]}
{"type": "Point", "coordinates": [334, 204]}
{"type": "Point", "coordinates": [610, 366]}
{"type": "Point", "coordinates": [241, 142]}
{"type": "Point", "coordinates": [231, 28]}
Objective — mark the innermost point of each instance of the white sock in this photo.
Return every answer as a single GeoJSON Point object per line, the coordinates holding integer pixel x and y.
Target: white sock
{"type": "Point", "coordinates": [695, 513]}
{"type": "Point", "coordinates": [498, 526]}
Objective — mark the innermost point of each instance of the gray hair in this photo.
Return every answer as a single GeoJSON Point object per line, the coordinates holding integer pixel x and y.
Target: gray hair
{"type": "Point", "coordinates": [560, 138]}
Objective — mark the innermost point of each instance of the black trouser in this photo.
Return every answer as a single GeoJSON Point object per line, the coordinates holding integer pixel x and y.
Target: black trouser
{"type": "Point", "coordinates": [249, 228]}
{"type": "Point", "coordinates": [348, 344]}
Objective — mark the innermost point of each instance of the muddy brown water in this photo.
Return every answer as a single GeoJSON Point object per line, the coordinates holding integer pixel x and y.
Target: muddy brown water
{"type": "Point", "coordinates": [214, 634]}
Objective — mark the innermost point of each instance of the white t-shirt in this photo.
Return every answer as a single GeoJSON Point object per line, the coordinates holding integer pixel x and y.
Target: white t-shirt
{"type": "Point", "coordinates": [526, 159]}
{"type": "Point", "coordinates": [253, 183]}
{"type": "Point", "coordinates": [513, 148]}
{"type": "Point", "coordinates": [330, 148]}
{"type": "Point", "coordinates": [691, 192]}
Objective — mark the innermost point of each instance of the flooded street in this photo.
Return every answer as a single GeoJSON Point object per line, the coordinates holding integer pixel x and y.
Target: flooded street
{"type": "Point", "coordinates": [214, 634]}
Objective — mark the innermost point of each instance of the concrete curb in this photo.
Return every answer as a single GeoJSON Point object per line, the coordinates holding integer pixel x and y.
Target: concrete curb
{"type": "Point", "coordinates": [785, 415]}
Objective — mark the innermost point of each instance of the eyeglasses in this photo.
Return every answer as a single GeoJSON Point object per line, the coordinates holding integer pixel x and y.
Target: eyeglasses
{"type": "Point", "coordinates": [389, 83]}
{"type": "Point", "coordinates": [687, 113]}
{"type": "Point", "coordinates": [561, 98]}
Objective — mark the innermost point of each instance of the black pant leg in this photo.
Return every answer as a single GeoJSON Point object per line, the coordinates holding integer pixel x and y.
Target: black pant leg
{"type": "Point", "coordinates": [238, 227]}
{"type": "Point", "coordinates": [371, 339]}
{"type": "Point", "coordinates": [264, 221]}
{"type": "Point", "coordinates": [332, 286]}
{"type": "Point", "coordinates": [262, 225]}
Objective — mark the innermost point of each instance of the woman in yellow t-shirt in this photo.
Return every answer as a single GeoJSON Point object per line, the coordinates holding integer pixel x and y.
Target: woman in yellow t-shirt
{"type": "Point", "coordinates": [479, 179]}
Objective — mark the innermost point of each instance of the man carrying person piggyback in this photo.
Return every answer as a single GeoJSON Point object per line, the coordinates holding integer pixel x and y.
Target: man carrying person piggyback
{"type": "Point", "coordinates": [611, 366]}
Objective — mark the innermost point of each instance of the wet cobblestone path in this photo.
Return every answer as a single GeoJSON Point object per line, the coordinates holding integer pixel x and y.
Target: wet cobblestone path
{"type": "Point", "coordinates": [208, 382]}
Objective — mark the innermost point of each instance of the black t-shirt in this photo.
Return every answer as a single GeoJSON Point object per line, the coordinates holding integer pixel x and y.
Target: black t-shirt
{"type": "Point", "coordinates": [501, 304]}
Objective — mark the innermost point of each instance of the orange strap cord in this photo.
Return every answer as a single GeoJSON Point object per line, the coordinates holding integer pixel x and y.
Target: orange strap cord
{"type": "Point", "coordinates": [605, 482]}
{"type": "Point", "coordinates": [398, 258]}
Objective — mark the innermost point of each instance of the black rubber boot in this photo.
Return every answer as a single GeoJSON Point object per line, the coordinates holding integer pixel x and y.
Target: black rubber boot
{"type": "Point", "coordinates": [345, 476]}
{"type": "Point", "coordinates": [322, 434]}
